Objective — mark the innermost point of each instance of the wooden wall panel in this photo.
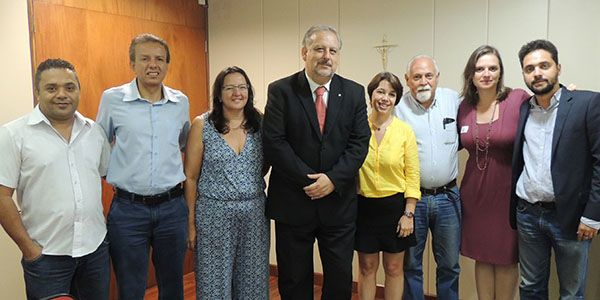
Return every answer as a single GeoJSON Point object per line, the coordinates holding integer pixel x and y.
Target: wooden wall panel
{"type": "Point", "coordinates": [97, 43]}
{"type": "Point", "coordinates": [180, 12]}
{"type": "Point", "coordinates": [95, 37]}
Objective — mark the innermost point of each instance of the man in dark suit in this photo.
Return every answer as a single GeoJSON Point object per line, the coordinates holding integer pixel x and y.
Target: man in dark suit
{"type": "Point", "coordinates": [315, 137]}
{"type": "Point", "coordinates": [556, 177]}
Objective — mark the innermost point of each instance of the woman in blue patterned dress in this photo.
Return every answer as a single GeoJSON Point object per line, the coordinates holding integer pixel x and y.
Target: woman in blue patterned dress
{"type": "Point", "coordinates": [225, 188]}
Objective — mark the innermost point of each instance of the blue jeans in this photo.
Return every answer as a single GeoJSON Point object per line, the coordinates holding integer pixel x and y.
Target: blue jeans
{"type": "Point", "coordinates": [441, 214]}
{"type": "Point", "coordinates": [539, 232]}
{"type": "Point", "coordinates": [133, 228]}
{"type": "Point", "coordinates": [86, 277]}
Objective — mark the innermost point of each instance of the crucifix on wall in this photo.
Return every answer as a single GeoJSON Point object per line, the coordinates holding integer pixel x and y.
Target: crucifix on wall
{"type": "Point", "coordinates": [384, 48]}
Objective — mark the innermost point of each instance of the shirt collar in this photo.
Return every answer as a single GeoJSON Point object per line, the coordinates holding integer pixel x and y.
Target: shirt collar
{"type": "Point", "coordinates": [132, 93]}
{"type": "Point", "coordinates": [554, 101]}
{"type": "Point", "coordinates": [37, 117]}
{"type": "Point", "coordinates": [313, 85]}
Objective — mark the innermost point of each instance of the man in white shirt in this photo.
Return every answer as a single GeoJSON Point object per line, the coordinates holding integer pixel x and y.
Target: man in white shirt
{"type": "Point", "coordinates": [432, 111]}
{"type": "Point", "coordinates": [54, 158]}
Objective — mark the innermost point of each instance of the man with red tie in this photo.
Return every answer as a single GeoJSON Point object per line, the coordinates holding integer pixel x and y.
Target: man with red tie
{"type": "Point", "coordinates": [315, 137]}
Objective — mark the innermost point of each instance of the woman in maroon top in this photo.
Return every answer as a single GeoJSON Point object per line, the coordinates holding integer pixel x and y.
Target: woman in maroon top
{"type": "Point", "coordinates": [487, 121]}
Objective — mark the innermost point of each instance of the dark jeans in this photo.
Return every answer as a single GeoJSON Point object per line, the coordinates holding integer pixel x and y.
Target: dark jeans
{"type": "Point", "coordinates": [86, 277]}
{"type": "Point", "coordinates": [133, 228]}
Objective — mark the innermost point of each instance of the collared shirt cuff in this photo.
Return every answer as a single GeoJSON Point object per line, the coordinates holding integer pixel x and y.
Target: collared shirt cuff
{"type": "Point", "coordinates": [591, 223]}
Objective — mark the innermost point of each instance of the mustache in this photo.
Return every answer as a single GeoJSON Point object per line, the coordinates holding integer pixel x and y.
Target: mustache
{"type": "Point", "coordinates": [424, 88]}
{"type": "Point", "coordinates": [325, 62]}
{"type": "Point", "coordinates": [540, 80]}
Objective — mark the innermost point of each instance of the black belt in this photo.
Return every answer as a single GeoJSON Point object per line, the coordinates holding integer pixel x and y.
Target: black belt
{"type": "Point", "coordinates": [542, 204]}
{"type": "Point", "coordinates": [176, 191]}
{"type": "Point", "coordinates": [439, 190]}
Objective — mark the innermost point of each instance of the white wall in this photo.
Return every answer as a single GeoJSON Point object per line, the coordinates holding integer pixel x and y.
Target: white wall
{"type": "Point", "coordinates": [17, 99]}
{"type": "Point", "coordinates": [263, 37]}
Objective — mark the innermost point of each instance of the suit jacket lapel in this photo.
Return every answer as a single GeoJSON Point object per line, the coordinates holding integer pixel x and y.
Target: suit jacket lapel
{"type": "Point", "coordinates": [305, 96]}
{"type": "Point", "coordinates": [564, 106]}
{"type": "Point", "coordinates": [333, 103]}
{"type": "Point", "coordinates": [520, 138]}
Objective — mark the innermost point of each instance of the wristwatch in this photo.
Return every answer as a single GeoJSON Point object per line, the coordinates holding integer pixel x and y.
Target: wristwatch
{"type": "Point", "coordinates": [409, 214]}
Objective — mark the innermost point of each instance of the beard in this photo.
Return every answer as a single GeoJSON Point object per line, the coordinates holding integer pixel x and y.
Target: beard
{"type": "Point", "coordinates": [542, 90]}
{"type": "Point", "coordinates": [423, 94]}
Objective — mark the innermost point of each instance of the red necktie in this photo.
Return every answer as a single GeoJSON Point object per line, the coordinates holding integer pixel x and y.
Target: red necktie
{"type": "Point", "coordinates": [320, 106]}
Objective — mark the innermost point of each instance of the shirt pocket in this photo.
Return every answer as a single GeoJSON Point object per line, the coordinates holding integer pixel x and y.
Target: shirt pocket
{"type": "Point", "coordinates": [450, 134]}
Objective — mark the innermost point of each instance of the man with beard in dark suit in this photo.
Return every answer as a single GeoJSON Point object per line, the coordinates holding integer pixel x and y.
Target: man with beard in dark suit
{"type": "Point", "coordinates": [556, 177]}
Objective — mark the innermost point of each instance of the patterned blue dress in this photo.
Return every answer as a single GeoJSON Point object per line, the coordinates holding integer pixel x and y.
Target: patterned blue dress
{"type": "Point", "coordinates": [232, 260]}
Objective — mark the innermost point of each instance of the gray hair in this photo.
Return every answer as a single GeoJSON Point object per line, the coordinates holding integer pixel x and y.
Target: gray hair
{"type": "Point", "coordinates": [147, 38]}
{"type": "Point", "coordinates": [412, 61]}
{"type": "Point", "coordinates": [308, 36]}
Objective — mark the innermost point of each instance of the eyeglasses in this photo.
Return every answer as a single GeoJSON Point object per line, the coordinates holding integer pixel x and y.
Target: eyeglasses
{"type": "Point", "coordinates": [239, 87]}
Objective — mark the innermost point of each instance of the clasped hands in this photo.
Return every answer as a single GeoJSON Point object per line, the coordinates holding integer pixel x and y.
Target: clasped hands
{"type": "Point", "coordinates": [320, 188]}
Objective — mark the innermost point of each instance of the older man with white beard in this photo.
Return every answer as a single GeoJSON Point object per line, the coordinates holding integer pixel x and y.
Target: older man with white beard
{"type": "Point", "coordinates": [432, 111]}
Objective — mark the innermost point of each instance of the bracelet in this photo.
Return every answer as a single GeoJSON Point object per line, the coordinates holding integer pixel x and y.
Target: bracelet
{"type": "Point", "coordinates": [409, 214]}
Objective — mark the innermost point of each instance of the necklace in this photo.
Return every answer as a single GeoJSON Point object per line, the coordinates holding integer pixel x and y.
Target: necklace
{"type": "Point", "coordinates": [382, 126]}
{"type": "Point", "coordinates": [483, 146]}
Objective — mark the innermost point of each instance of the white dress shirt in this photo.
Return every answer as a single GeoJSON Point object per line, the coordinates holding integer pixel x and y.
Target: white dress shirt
{"type": "Point", "coordinates": [437, 136]}
{"type": "Point", "coordinates": [58, 182]}
{"type": "Point", "coordinates": [314, 86]}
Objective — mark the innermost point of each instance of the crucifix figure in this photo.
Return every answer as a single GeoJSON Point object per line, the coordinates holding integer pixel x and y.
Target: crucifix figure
{"type": "Point", "coordinates": [384, 49]}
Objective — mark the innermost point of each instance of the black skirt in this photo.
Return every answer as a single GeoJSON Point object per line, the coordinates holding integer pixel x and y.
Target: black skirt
{"type": "Point", "coordinates": [376, 225]}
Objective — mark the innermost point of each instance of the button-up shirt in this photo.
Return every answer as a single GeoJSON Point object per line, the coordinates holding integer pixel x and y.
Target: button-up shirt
{"type": "Point", "coordinates": [437, 136]}
{"type": "Point", "coordinates": [537, 152]}
{"type": "Point", "coordinates": [148, 138]}
{"type": "Point", "coordinates": [392, 166]}
{"type": "Point", "coordinates": [58, 182]}
{"type": "Point", "coordinates": [535, 182]}
{"type": "Point", "coordinates": [313, 88]}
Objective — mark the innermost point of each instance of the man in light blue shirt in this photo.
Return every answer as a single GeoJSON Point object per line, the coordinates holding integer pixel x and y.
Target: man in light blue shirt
{"type": "Point", "coordinates": [555, 203]}
{"type": "Point", "coordinates": [147, 123]}
{"type": "Point", "coordinates": [431, 111]}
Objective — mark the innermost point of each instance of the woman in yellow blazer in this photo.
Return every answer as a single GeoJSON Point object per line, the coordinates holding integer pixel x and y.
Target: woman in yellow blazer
{"type": "Point", "coordinates": [388, 191]}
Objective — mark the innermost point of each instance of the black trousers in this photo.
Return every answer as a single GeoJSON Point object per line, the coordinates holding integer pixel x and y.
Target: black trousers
{"type": "Point", "coordinates": [294, 247]}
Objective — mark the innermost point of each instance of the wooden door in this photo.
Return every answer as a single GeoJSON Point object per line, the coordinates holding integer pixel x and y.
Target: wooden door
{"type": "Point", "coordinates": [94, 35]}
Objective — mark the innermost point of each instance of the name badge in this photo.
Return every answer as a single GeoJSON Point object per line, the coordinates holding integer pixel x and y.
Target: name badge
{"type": "Point", "coordinates": [464, 129]}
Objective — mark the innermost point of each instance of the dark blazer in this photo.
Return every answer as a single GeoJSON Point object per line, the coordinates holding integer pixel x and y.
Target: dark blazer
{"type": "Point", "coordinates": [575, 165]}
{"type": "Point", "coordinates": [295, 147]}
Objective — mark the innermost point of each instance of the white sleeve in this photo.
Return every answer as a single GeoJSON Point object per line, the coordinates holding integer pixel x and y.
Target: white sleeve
{"type": "Point", "coordinates": [10, 164]}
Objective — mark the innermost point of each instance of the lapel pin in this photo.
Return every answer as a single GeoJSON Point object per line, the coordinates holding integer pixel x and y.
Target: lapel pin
{"type": "Point", "coordinates": [339, 95]}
